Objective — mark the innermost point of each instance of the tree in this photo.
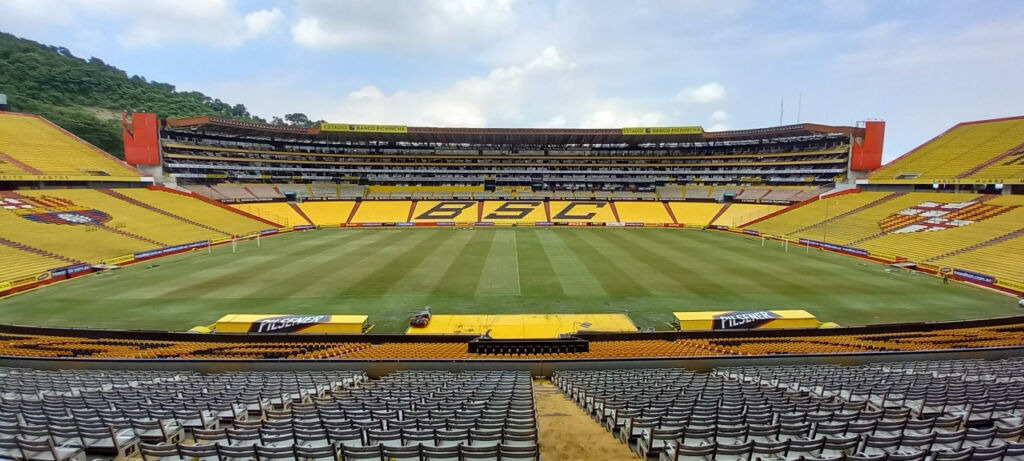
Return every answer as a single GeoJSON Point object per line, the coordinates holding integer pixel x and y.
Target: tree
{"type": "Point", "coordinates": [298, 119]}
{"type": "Point", "coordinates": [67, 90]}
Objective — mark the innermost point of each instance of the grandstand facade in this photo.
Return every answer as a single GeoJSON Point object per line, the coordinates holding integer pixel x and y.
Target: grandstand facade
{"type": "Point", "coordinates": [384, 162]}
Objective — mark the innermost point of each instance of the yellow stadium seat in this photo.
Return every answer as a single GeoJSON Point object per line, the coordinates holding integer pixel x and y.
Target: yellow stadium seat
{"type": "Point", "coordinates": [739, 214]}
{"type": "Point", "coordinates": [16, 264]}
{"type": "Point", "coordinates": [38, 147]}
{"type": "Point", "coordinates": [523, 211]}
{"type": "Point", "coordinates": [816, 212]}
{"type": "Point", "coordinates": [382, 211]}
{"type": "Point", "coordinates": [697, 214]}
{"type": "Point", "coordinates": [968, 231]}
{"type": "Point", "coordinates": [581, 211]}
{"type": "Point", "coordinates": [327, 213]}
{"type": "Point", "coordinates": [192, 208]}
{"type": "Point", "coordinates": [644, 212]}
{"type": "Point", "coordinates": [278, 212]}
{"type": "Point", "coordinates": [955, 153]}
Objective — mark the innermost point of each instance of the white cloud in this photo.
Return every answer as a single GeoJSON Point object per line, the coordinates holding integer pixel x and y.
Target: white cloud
{"type": "Point", "coordinates": [400, 25]}
{"type": "Point", "coordinates": [706, 93]}
{"type": "Point", "coordinates": [474, 101]}
{"type": "Point", "coordinates": [544, 92]}
{"type": "Point", "coordinates": [28, 14]}
{"type": "Point", "coordinates": [259, 23]}
{"type": "Point", "coordinates": [719, 121]}
{"type": "Point", "coordinates": [213, 23]}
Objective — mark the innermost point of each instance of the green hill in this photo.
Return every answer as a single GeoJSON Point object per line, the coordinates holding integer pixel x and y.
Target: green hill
{"type": "Point", "coordinates": [87, 96]}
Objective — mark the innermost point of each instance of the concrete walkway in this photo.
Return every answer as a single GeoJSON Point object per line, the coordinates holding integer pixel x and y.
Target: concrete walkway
{"type": "Point", "coordinates": [568, 434]}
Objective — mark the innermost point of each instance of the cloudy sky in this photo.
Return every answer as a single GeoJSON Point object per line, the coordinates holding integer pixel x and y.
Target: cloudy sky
{"type": "Point", "coordinates": [920, 65]}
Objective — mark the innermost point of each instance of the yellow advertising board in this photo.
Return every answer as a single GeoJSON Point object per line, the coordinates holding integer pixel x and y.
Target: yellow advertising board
{"type": "Point", "coordinates": [662, 130]}
{"type": "Point", "coordinates": [357, 128]}
{"type": "Point", "coordinates": [119, 260]}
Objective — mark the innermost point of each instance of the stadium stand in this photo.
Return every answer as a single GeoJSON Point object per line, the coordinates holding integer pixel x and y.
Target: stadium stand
{"type": "Point", "coordinates": [45, 229]}
{"type": "Point", "coordinates": [513, 211]}
{"type": "Point", "coordinates": [910, 410]}
{"type": "Point", "coordinates": [324, 191]}
{"type": "Point", "coordinates": [233, 192]}
{"type": "Point", "coordinates": [265, 192]}
{"type": "Point", "coordinates": [719, 193]}
{"type": "Point", "coordinates": [643, 212]}
{"type": "Point", "coordinates": [327, 213]}
{"type": "Point", "coordinates": [206, 191]}
{"type": "Point", "coordinates": [814, 214]}
{"type": "Point", "coordinates": [351, 191]}
{"type": "Point", "coordinates": [997, 258]}
{"type": "Point", "coordinates": [128, 218]}
{"type": "Point", "coordinates": [1005, 169]}
{"type": "Point", "coordinates": [376, 212]}
{"type": "Point", "coordinates": [279, 212]}
{"type": "Point", "coordinates": [301, 191]}
{"type": "Point", "coordinates": [697, 192]}
{"type": "Point", "coordinates": [737, 214]}
{"type": "Point", "coordinates": [300, 414]}
{"type": "Point", "coordinates": [926, 227]}
{"type": "Point", "coordinates": [18, 261]}
{"type": "Point", "coordinates": [962, 152]}
{"type": "Point", "coordinates": [212, 215]}
{"type": "Point", "coordinates": [752, 194]}
{"type": "Point", "coordinates": [695, 214]}
{"type": "Point", "coordinates": [589, 164]}
{"type": "Point", "coordinates": [987, 219]}
{"type": "Point", "coordinates": [580, 211]}
{"type": "Point", "coordinates": [64, 239]}
{"type": "Point", "coordinates": [31, 146]}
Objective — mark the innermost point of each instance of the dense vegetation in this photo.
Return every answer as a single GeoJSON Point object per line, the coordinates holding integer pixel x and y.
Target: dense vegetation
{"type": "Point", "coordinates": [86, 96]}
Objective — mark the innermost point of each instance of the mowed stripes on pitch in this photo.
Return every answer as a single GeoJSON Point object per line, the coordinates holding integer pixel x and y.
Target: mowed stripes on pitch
{"type": "Point", "coordinates": [391, 273]}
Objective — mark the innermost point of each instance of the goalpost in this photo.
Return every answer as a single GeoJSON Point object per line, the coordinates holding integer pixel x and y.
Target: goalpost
{"type": "Point", "coordinates": [234, 241]}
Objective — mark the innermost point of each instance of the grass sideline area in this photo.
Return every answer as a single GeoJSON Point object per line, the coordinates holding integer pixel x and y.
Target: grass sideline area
{"type": "Point", "coordinates": [390, 274]}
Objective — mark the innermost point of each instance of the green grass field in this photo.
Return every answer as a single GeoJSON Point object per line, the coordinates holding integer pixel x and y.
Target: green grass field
{"type": "Point", "coordinates": [391, 273]}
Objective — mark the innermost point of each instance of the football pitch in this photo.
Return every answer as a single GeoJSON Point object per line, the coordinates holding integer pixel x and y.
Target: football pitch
{"type": "Point", "coordinates": [389, 274]}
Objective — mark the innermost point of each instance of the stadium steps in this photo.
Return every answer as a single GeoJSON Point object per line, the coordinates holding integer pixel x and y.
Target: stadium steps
{"type": "Point", "coordinates": [563, 425]}
{"type": "Point", "coordinates": [615, 212]}
{"type": "Point", "coordinates": [994, 160]}
{"type": "Point", "coordinates": [997, 240]}
{"type": "Point", "coordinates": [30, 249]}
{"type": "Point", "coordinates": [154, 209]}
{"type": "Point", "coordinates": [300, 212]}
{"type": "Point", "coordinates": [668, 209]}
{"type": "Point", "coordinates": [18, 163]}
{"type": "Point", "coordinates": [848, 213]}
{"type": "Point", "coordinates": [130, 235]}
{"type": "Point", "coordinates": [720, 213]}
{"type": "Point", "coordinates": [352, 213]}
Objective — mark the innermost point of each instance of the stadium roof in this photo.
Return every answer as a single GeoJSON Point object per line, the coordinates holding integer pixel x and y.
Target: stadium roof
{"type": "Point", "coordinates": [500, 136]}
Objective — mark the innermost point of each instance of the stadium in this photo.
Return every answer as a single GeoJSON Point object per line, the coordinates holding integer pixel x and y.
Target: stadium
{"type": "Point", "coordinates": [241, 290]}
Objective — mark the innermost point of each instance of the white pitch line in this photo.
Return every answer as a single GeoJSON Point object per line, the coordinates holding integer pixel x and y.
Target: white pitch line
{"type": "Point", "coordinates": [515, 249]}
